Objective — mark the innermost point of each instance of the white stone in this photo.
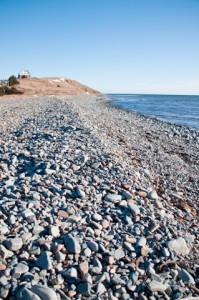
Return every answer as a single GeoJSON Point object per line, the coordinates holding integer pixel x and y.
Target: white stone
{"type": "Point", "coordinates": [179, 246]}
{"type": "Point", "coordinates": [156, 286]}
{"type": "Point", "coordinates": [97, 217]}
{"type": "Point", "coordinates": [54, 231]}
{"type": "Point", "coordinates": [153, 195]}
{"type": "Point", "coordinates": [134, 208]}
{"type": "Point", "coordinates": [14, 244]}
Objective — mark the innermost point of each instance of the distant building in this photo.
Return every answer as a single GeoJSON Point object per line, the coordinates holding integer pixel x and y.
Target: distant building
{"type": "Point", "coordinates": [24, 74]}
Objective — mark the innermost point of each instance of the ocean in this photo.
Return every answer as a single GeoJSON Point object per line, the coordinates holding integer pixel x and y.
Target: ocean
{"type": "Point", "coordinates": [182, 110]}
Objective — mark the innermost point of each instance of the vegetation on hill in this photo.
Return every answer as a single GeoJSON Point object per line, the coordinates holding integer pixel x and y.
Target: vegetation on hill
{"type": "Point", "coordinates": [5, 90]}
{"type": "Point", "coordinates": [10, 90]}
{"type": "Point", "coordinates": [12, 80]}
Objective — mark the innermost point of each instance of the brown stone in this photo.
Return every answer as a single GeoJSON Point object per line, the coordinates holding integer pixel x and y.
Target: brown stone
{"type": "Point", "coordinates": [126, 186]}
{"type": "Point", "coordinates": [83, 268]}
{"type": "Point", "coordinates": [2, 267]}
{"type": "Point", "coordinates": [144, 250]}
{"type": "Point", "coordinates": [76, 256]}
{"type": "Point", "coordinates": [130, 239]}
{"type": "Point", "coordinates": [137, 218]}
{"type": "Point", "coordinates": [63, 214]}
{"type": "Point", "coordinates": [110, 260]}
{"type": "Point", "coordinates": [105, 224]}
{"type": "Point", "coordinates": [72, 293]}
{"type": "Point", "coordinates": [2, 216]}
{"type": "Point", "coordinates": [142, 194]}
{"type": "Point", "coordinates": [155, 227]}
{"type": "Point", "coordinates": [58, 248]}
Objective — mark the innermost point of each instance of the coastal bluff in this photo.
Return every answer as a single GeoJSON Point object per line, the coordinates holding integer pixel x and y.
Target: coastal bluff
{"type": "Point", "coordinates": [47, 86]}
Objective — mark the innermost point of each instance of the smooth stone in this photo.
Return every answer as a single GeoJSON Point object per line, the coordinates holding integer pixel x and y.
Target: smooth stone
{"type": "Point", "coordinates": [156, 286]}
{"type": "Point", "coordinates": [97, 267]}
{"type": "Point", "coordinates": [110, 260]}
{"type": "Point", "coordinates": [87, 252]}
{"type": "Point", "coordinates": [63, 214]}
{"type": "Point", "coordinates": [97, 232]}
{"type": "Point", "coordinates": [190, 238]}
{"type": "Point", "coordinates": [70, 273]}
{"type": "Point", "coordinates": [115, 279]}
{"type": "Point", "coordinates": [113, 198]}
{"type": "Point", "coordinates": [27, 213]}
{"type": "Point", "coordinates": [144, 250]}
{"type": "Point", "coordinates": [3, 280]}
{"type": "Point", "coordinates": [179, 246]}
{"type": "Point", "coordinates": [36, 196]}
{"type": "Point", "coordinates": [141, 241]}
{"type": "Point", "coordinates": [88, 278]}
{"type": "Point", "coordinates": [96, 165]}
{"type": "Point", "coordinates": [84, 288]}
{"type": "Point", "coordinates": [83, 267]}
{"type": "Point", "coordinates": [105, 224]}
{"type": "Point", "coordinates": [12, 219]}
{"type": "Point", "coordinates": [101, 289]}
{"type": "Point", "coordinates": [4, 230]}
{"type": "Point", "coordinates": [26, 294]}
{"type": "Point", "coordinates": [128, 220]}
{"type": "Point", "coordinates": [80, 193]}
{"type": "Point", "coordinates": [50, 171]}
{"type": "Point", "coordinates": [59, 279]}
{"type": "Point", "coordinates": [127, 195]}
{"type": "Point", "coordinates": [134, 208]}
{"type": "Point", "coordinates": [71, 294]}
{"type": "Point", "coordinates": [37, 229]}
{"type": "Point", "coordinates": [44, 292]}
{"type": "Point", "coordinates": [153, 195]}
{"type": "Point", "coordinates": [129, 246]}
{"type": "Point", "coordinates": [134, 276]}
{"type": "Point", "coordinates": [14, 244]}
{"type": "Point", "coordinates": [185, 276]}
{"type": "Point", "coordinates": [2, 267]}
{"type": "Point", "coordinates": [97, 217]}
{"type": "Point", "coordinates": [5, 253]}
{"type": "Point", "coordinates": [125, 296]}
{"type": "Point", "coordinates": [44, 261]}
{"type": "Point", "coordinates": [119, 253]}
{"type": "Point", "coordinates": [54, 231]}
{"type": "Point", "coordinates": [142, 194]}
{"type": "Point", "coordinates": [23, 267]}
{"type": "Point", "coordinates": [74, 219]}
{"type": "Point", "coordinates": [93, 246]}
{"type": "Point", "coordinates": [16, 273]}
{"type": "Point", "coordinates": [72, 244]}
{"type": "Point", "coordinates": [68, 186]}
{"type": "Point", "coordinates": [4, 293]}
{"type": "Point", "coordinates": [26, 236]}
{"type": "Point", "coordinates": [60, 257]}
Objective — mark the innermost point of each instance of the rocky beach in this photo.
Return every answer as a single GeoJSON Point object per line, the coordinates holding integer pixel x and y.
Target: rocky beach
{"type": "Point", "coordinates": [96, 202]}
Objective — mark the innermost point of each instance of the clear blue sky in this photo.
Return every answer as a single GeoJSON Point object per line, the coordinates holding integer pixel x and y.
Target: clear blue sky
{"type": "Point", "coordinates": [127, 46]}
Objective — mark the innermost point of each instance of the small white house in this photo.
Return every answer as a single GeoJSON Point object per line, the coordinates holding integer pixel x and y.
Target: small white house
{"type": "Point", "coordinates": [24, 74]}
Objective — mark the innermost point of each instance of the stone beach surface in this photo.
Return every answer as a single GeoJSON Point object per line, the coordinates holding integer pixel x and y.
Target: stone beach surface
{"type": "Point", "coordinates": [96, 202]}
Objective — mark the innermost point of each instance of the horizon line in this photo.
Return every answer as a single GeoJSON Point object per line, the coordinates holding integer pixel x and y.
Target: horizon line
{"type": "Point", "coordinates": [114, 93]}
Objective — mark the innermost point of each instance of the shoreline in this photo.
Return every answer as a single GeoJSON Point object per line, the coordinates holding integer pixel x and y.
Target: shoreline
{"type": "Point", "coordinates": [154, 118]}
{"type": "Point", "coordinates": [96, 200]}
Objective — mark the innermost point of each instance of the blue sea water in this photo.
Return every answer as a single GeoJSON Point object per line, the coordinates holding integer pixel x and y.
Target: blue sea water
{"type": "Point", "coordinates": [183, 110]}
